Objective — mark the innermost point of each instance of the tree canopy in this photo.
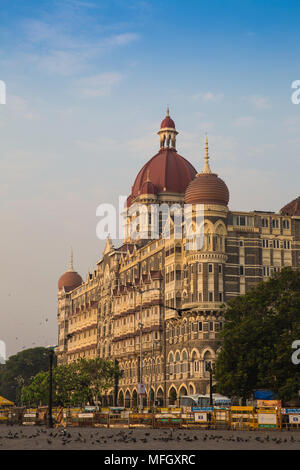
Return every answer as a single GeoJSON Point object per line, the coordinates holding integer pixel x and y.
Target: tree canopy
{"type": "Point", "coordinates": [77, 383]}
{"type": "Point", "coordinates": [20, 369]}
{"type": "Point", "coordinates": [259, 330]}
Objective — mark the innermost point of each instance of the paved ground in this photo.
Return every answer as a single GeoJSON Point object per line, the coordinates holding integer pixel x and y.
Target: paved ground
{"type": "Point", "coordinates": [31, 438]}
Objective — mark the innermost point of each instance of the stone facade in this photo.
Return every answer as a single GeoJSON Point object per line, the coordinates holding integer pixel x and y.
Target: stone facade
{"type": "Point", "coordinates": [123, 310]}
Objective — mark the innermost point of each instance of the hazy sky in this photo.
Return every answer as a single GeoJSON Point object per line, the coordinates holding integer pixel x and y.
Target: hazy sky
{"type": "Point", "coordinates": [87, 87]}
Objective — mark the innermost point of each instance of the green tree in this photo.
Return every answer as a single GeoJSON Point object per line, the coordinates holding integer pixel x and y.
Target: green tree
{"type": "Point", "coordinates": [77, 383]}
{"type": "Point", "coordinates": [99, 374]}
{"type": "Point", "coordinates": [37, 391]}
{"type": "Point", "coordinates": [257, 338]}
{"type": "Point", "coordinates": [19, 370]}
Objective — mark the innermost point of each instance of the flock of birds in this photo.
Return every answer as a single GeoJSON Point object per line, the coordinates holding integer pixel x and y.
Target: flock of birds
{"type": "Point", "coordinates": [42, 340]}
{"type": "Point", "coordinates": [93, 437]}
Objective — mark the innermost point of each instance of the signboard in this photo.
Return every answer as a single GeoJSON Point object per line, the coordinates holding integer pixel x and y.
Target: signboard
{"type": "Point", "coordinates": [90, 408]}
{"type": "Point", "coordinates": [294, 419]}
{"type": "Point", "coordinates": [141, 389]}
{"type": "Point", "coordinates": [267, 419]}
{"type": "Point", "coordinates": [268, 403]}
{"type": "Point", "coordinates": [85, 415]}
{"type": "Point", "coordinates": [201, 417]}
{"type": "Point", "coordinates": [202, 408]}
{"type": "Point", "coordinates": [290, 410]}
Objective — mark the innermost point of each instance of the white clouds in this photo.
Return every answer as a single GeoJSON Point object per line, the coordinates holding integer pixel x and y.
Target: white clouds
{"type": "Point", "coordinates": [61, 48]}
{"type": "Point", "coordinates": [121, 39]}
{"type": "Point", "coordinates": [98, 85]}
{"type": "Point", "coordinates": [260, 102]}
{"type": "Point", "coordinates": [60, 62]}
{"type": "Point", "coordinates": [20, 107]}
{"type": "Point", "coordinates": [245, 121]}
{"type": "Point", "coordinates": [209, 96]}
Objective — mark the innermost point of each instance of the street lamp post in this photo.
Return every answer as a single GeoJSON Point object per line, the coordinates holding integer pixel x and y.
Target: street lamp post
{"type": "Point", "coordinates": [51, 356]}
{"type": "Point", "coordinates": [141, 365]}
{"type": "Point", "coordinates": [208, 368]}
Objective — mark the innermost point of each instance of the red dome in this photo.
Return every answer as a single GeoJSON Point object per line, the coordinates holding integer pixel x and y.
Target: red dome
{"type": "Point", "coordinates": [207, 188]}
{"type": "Point", "coordinates": [69, 280]}
{"type": "Point", "coordinates": [169, 172]}
{"type": "Point", "coordinates": [292, 208]}
{"type": "Point", "coordinates": [148, 188]}
{"type": "Point", "coordinates": [167, 122]}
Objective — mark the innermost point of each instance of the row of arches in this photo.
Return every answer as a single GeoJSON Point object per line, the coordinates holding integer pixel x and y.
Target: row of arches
{"type": "Point", "coordinates": [151, 366]}
{"type": "Point", "coordinates": [194, 363]}
{"type": "Point", "coordinates": [130, 399]}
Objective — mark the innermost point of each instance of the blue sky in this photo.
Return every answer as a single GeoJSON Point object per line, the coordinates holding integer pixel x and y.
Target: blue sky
{"type": "Point", "coordinates": [87, 87]}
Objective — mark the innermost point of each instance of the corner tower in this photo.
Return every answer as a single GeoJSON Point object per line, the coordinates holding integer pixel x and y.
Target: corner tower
{"type": "Point", "coordinates": [206, 263]}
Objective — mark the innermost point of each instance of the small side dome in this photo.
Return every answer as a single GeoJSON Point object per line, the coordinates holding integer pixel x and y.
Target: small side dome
{"type": "Point", "coordinates": [292, 208]}
{"type": "Point", "coordinates": [207, 187]}
{"type": "Point", "coordinates": [70, 279]}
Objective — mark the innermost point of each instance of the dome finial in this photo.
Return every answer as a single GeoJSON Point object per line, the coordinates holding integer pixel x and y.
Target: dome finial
{"type": "Point", "coordinates": [206, 168]}
{"type": "Point", "coordinates": [168, 111]}
{"type": "Point", "coordinates": [71, 269]}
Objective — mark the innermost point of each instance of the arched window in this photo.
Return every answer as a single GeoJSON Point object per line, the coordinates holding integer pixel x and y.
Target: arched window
{"type": "Point", "coordinates": [178, 364]}
{"type": "Point", "coordinates": [195, 363]}
{"type": "Point", "coordinates": [171, 364]}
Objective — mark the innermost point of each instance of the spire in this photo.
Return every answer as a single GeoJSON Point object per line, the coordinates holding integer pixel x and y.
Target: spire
{"type": "Point", "coordinates": [206, 168]}
{"type": "Point", "coordinates": [168, 111]}
{"type": "Point", "coordinates": [71, 269]}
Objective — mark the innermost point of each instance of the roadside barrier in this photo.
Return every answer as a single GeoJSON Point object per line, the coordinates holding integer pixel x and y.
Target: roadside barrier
{"type": "Point", "coordinates": [167, 420]}
{"type": "Point", "coordinates": [235, 418]}
{"type": "Point", "coordinates": [268, 418]}
{"type": "Point", "coordinates": [290, 418]}
{"type": "Point", "coordinates": [118, 419]}
{"type": "Point", "coordinates": [221, 418]}
{"type": "Point", "coordinates": [243, 417]}
{"type": "Point", "coordinates": [4, 416]}
{"type": "Point", "coordinates": [141, 420]}
{"type": "Point", "coordinates": [30, 417]}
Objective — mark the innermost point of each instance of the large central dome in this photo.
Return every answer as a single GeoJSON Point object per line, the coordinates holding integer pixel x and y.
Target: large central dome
{"type": "Point", "coordinates": [167, 171]}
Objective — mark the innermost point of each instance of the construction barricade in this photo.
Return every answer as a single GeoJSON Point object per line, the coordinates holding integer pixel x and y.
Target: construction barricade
{"type": "Point", "coordinates": [268, 418]}
{"type": "Point", "coordinates": [167, 420]}
{"type": "Point", "coordinates": [243, 417]}
{"type": "Point", "coordinates": [290, 418]}
{"type": "Point", "coordinates": [203, 417]}
{"type": "Point", "coordinates": [141, 420]}
{"type": "Point", "coordinates": [4, 415]}
{"type": "Point", "coordinates": [118, 418]}
{"type": "Point", "coordinates": [30, 417]}
{"type": "Point", "coordinates": [221, 418]}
